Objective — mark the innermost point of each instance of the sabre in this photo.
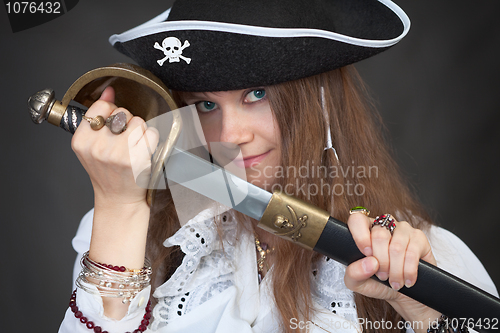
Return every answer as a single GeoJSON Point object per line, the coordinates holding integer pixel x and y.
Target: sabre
{"type": "Point", "coordinates": [287, 217]}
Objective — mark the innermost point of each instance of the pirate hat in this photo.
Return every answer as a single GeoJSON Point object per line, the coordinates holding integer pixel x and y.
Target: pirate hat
{"type": "Point", "coordinates": [219, 45]}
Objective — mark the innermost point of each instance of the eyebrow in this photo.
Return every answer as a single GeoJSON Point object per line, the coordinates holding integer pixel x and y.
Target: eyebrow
{"type": "Point", "coordinates": [194, 96]}
{"type": "Point", "coordinates": [189, 98]}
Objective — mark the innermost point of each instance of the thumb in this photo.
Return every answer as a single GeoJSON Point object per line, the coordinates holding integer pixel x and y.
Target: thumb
{"type": "Point", "coordinates": [357, 278]}
{"type": "Point", "coordinates": [359, 272]}
{"type": "Point", "coordinates": [108, 95]}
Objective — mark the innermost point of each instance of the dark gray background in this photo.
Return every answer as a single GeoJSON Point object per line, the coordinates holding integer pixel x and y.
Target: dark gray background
{"type": "Point", "coordinates": [437, 90]}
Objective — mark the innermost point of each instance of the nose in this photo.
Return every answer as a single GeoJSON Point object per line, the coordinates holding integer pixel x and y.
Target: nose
{"type": "Point", "coordinates": [236, 126]}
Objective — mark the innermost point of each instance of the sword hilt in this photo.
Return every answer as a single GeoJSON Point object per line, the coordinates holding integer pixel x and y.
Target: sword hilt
{"type": "Point", "coordinates": [44, 106]}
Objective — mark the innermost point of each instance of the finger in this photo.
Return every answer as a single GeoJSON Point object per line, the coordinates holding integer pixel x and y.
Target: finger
{"type": "Point", "coordinates": [359, 226]}
{"type": "Point", "coordinates": [145, 138]}
{"type": "Point", "coordinates": [381, 238]}
{"type": "Point", "coordinates": [357, 278]}
{"type": "Point", "coordinates": [102, 145]}
{"type": "Point", "coordinates": [145, 146]}
{"type": "Point", "coordinates": [418, 248]}
{"type": "Point", "coordinates": [359, 271]}
{"type": "Point", "coordinates": [117, 143]}
{"type": "Point", "coordinates": [119, 121]}
{"type": "Point", "coordinates": [120, 109]}
{"type": "Point", "coordinates": [152, 137]}
{"type": "Point", "coordinates": [397, 254]}
{"type": "Point", "coordinates": [136, 128]}
{"type": "Point", "coordinates": [104, 106]}
{"type": "Point", "coordinates": [108, 95]}
{"type": "Point", "coordinates": [140, 155]}
{"type": "Point", "coordinates": [98, 108]}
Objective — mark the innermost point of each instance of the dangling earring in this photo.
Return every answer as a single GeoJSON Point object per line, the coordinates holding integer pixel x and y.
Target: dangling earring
{"type": "Point", "coordinates": [327, 122]}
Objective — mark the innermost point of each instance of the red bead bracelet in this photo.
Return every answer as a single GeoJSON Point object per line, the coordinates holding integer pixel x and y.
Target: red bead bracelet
{"type": "Point", "coordinates": [97, 329]}
{"type": "Point", "coordinates": [121, 268]}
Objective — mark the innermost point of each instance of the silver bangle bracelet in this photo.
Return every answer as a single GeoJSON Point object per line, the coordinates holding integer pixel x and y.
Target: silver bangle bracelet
{"type": "Point", "coordinates": [112, 281]}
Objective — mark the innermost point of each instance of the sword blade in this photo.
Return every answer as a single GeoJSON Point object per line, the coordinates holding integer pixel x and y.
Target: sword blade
{"type": "Point", "coordinates": [216, 183]}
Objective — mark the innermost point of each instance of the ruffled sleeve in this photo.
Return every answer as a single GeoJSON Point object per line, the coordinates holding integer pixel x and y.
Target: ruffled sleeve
{"type": "Point", "coordinates": [204, 254]}
{"type": "Point", "coordinates": [204, 292]}
{"type": "Point", "coordinates": [455, 257]}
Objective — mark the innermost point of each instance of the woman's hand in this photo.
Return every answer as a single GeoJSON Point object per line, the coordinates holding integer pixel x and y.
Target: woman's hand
{"type": "Point", "coordinates": [121, 213]}
{"type": "Point", "coordinates": [394, 257]}
{"type": "Point", "coordinates": [112, 161]}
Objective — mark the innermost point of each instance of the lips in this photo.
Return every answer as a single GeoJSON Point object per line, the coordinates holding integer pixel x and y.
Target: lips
{"type": "Point", "coordinates": [247, 162]}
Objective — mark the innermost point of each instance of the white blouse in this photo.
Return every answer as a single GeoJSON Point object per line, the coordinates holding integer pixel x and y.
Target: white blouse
{"type": "Point", "coordinates": [216, 287]}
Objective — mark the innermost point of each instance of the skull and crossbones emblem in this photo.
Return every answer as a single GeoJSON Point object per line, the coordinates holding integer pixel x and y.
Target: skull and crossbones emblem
{"type": "Point", "coordinates": [172, 48]}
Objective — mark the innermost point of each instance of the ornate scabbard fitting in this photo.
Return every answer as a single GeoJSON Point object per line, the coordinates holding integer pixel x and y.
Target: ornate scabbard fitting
{"type": "Point", "coordinates": [292, 218]}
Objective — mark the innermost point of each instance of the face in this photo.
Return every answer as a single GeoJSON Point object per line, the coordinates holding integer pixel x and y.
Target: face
{"type": "Point", "coordinates": [241, 118]}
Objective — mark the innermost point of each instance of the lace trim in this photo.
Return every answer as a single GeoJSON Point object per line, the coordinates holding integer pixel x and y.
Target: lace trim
{"type": "Point", "coordinates": [172, 307]}
{"type": "Point", "coordinates": [330, 291]}
{"type": "Point", "coordinates": [206, 270]}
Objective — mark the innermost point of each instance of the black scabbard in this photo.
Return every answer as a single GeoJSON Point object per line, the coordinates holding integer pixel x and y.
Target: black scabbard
{"type": "Point", "coordinates": [435, 288]}
{"type": "Point", "coordinates": [295, 220]}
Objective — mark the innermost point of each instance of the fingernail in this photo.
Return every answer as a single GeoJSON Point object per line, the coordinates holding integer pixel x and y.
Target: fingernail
{"type": "Point", "coordinates": [382, 276]}
{"type": "Point", "coordinates": [367, 251]}
{"type": "Point", "coordinates": [395, 286]}
{"type": "Point", "coordinates": [408, 283]}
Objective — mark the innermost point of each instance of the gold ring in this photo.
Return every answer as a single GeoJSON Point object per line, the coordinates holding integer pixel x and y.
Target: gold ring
{"type": "Point", "coordinates": [96, 123]}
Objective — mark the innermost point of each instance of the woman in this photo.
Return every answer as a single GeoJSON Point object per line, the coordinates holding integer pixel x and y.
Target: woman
{"type": "Point", "coordinates": [282, 96]}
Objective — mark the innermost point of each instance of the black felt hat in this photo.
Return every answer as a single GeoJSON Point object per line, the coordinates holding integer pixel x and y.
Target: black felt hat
{"type": "Point", "coordinates": [218, 45]}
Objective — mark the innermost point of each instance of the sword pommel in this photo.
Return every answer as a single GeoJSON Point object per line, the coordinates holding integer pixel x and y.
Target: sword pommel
{"type": "Point", "coordinates": [40, 105]}
{"type": "Point", "coordinates": [44, 106]}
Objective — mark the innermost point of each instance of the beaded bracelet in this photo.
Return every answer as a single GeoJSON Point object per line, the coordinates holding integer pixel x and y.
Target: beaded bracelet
{"type": "Point", "coordinates": [98, 329]}
{"type": "Point", "coordinates": [112, 281]}
{"type": "Point", "coordinates": [445, 325]}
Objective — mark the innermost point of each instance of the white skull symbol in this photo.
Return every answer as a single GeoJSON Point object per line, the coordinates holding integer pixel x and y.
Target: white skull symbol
{"type": "Point", "coordinates": [172, 48]}
{"type": "Point", "coordinates": [172, 45]}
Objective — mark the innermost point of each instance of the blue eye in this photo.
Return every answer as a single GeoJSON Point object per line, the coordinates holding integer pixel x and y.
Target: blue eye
{"type": "Point", "coordinates": [256, 95]}
{"type": "Point", "coordinates": [206, 106]}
